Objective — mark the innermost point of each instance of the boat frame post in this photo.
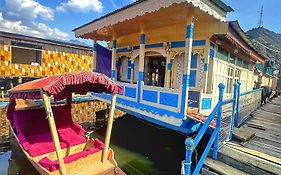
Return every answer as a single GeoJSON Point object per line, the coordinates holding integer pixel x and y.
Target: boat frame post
{"type": "Point", "coordinates": [52, 125]}
{"type": "Point", "coordinates": [109, 128]}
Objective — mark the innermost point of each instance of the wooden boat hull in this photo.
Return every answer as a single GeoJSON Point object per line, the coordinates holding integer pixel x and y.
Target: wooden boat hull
{"type": "Point", "coordinates": [89, 165]}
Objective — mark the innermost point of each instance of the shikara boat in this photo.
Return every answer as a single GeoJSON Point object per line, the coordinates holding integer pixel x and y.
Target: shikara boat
{"type": "Point", "coordinates": [46, 133]}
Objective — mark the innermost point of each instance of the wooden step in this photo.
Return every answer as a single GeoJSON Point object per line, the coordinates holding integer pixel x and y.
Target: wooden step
{"type": "Point", "coordinates": [247, 162]}
{"type": "Point", "coordinates": [220, 168]}
{"type": "Point", "coordinates": [99, 168]}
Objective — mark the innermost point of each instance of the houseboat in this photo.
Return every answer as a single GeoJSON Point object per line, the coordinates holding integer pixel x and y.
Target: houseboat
{"type": "Point", "coordinates": [40, 116]}
{"type": "Point", "coordinates": [170, 56]}
{"type": "Point", "coordinates": [24, 58]}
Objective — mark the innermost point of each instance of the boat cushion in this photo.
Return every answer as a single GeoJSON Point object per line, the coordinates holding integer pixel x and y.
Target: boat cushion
{"type": "Point", "coordinates": [34, 133]}
{"type": "Point", "coordinates": [54, 165]}
{"type": "Point", "coordinates": [40, 144]}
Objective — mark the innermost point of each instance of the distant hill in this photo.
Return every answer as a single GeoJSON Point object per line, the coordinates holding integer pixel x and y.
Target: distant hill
{"type": "Point", "coordinates": [267, 42]}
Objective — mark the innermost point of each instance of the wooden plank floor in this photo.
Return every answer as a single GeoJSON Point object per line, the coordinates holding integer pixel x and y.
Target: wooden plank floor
{"type": "Point", "coordinates": [266, 123]}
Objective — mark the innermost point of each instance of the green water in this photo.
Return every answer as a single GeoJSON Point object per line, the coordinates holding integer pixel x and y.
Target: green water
{"type": "Point", "coordinates": [139, 148]}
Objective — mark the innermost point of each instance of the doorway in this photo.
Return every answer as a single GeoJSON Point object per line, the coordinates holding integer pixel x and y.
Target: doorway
{"type": "Point", "coordinates": [154, 69]}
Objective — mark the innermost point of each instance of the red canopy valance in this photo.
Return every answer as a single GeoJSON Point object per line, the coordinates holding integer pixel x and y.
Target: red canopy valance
{"type": "Point", "coordinates": [62, 85]}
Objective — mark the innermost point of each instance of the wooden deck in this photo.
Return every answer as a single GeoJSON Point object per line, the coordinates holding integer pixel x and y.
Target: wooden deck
{"type": "Point", "coordinates": [266, 124]}
{"type": "Point", "coordinates": [256, 147]}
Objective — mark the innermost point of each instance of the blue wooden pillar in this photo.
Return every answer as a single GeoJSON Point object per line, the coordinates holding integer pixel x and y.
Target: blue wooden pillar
{"type": "Point", "coordinates": [141, 64]}
{"type": "Point", "coordinates": [186, 68]}
{"type": "Point", "coordinates": [218, 122]}
{"type": "Point", "coordinates": [237, 118]}
{"type": "Point", "coordinates": [189, 144]}
{"type": "Point", "coordinates": [113, 59]}
{"type": "Point", "coordinates": [95, 46]}
{"type": "Point", "coordinates": [233, 113]}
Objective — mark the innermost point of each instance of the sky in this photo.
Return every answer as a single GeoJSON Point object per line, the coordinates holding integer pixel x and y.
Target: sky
{"type": "Point", "coordinates": [56, 19]}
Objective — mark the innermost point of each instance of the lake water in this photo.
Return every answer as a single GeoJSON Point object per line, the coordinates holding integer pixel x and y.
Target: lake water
{"type": "Point", "coordinates": [140, 148]}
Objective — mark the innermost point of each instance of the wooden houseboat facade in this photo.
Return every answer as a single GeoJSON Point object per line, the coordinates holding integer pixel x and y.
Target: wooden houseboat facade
{"type": "Point", "coordinates": [24, 58]}
{"type": "Point", "coordinates": [173, 55]}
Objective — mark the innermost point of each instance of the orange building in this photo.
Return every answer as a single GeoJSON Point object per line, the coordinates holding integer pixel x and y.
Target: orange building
{"type": "Point", "coordinates": [23, 58]}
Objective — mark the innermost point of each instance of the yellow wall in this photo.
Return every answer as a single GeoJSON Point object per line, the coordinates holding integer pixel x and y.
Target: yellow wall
{"type": "Point", "coordinates": [53, 62]}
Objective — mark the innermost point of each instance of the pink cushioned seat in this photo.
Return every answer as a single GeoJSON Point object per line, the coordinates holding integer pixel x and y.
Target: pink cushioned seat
{"type": "Point", "coordinates": [34, 133]}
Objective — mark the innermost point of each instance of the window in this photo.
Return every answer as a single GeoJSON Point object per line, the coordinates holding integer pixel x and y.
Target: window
{"type": "Point", "coordinates": [245, 65]}
{"type": "Point", "coordinates": [229, 84]}
{"type": "Point", "coordinates": [239, 62]}
{"type": "Point", "coordinates": [232, 59]}
{"type": "Point", "coordinates": [222, 54]}
{"type": "Point", "coordinates": [25, 53]}
{"type": "Point", "coordinates": [237, 76]}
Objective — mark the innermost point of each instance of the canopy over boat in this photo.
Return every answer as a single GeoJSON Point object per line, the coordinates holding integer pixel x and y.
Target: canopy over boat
{"type": "Point", "coordinates": [62, 85]}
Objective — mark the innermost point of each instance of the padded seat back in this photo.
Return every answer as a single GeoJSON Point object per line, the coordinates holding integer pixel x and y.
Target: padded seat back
{"type": "Point", "coordinates": [34, 121]}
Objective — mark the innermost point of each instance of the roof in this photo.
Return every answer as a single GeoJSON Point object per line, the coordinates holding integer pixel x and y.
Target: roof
{"type": "Point", "coordinates": [202, 5]}
{"type": "Point", "coordinates": [43, 41]}
{"type": "Point", "coordinates": [223, 6]}
{"type": "Point", "coordinates": [61, 85]}
{"type": "Point", "coordinates": [236, 27]}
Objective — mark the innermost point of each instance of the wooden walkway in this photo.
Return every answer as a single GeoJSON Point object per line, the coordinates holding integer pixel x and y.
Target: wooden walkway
{"type": "Point", "coordinates": [266, 125]}
{"type": "Point", "coordinates": [256, 147]}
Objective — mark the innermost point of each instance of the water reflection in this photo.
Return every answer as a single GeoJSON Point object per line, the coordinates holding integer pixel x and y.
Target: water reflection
{"type": "Point", "coordinates": [139, 149]}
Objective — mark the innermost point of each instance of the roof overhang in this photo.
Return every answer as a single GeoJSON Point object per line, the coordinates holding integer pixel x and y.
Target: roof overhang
{"type": "Point", "coordinates": [140, 8]}
{"type": "Point", "coordinates": [236, 38]}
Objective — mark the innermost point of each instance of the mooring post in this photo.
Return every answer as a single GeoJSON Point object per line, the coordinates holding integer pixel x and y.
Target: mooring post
{"type": "Point", "coordinates": [237, 118]}
{"type": "Point", "coordinates": [189, 143]}
{"type": "Point", "coordinates": [218, 121]}
{"type": "Point", "coordinates": [233, 113]}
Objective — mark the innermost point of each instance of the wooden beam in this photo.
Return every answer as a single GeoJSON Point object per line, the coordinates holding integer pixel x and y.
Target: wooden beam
{"type": "Point", "coordinates": [109, 128]}
{"type": "Point", "coordinates": [52, 125]}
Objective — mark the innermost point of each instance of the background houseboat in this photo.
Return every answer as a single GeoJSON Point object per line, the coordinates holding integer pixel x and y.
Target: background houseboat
{"type": "Point", "coordinates": [24, 58]}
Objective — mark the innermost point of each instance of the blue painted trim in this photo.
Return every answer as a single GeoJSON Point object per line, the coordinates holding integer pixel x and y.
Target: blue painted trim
{"type": "Point", "coordinates": [129, 74]}
{"type": "Point", "coordinates": [169, 99]}
{"type": "Point", "coordinates": [233, 110]}
{"type": "Point", "coordinates": [206, 67]}
{"type": "Point", "coordinates": [206, 151]}
{"type": "Point", "coordinates": [148, 108]}
{"type": "Point", "coordinates": [198, 42]}
{"type": "Point", "coordinates": [114, 43]}
{"type": "Point", "coordinates": [177, 44]}
{"type": "Point", "coordinates": [192, 80]}
{"type": "Point", "coordinates": [212, 53]}
{"type": "Point", "coordinates": [169, 66]}
{"type": "Point", "coordinates": [249, 92]}
{"type": "Point", "coordinates": [189, 144]}
{"type": "Point", "coordinates": [154, 45]}
{"type": "Point", "coordinates": [218, 121]}
{"type": "Point", "coordinates": [112, 74]}
{"type": "Point", "coordinates": [174, 44]}
{"type": "Point", "coordinates": [123, 50]}
{"type": "Point", "coordinates": [150, 96]}
{"type": "Point", "coordinates": [136, 47]}
{"type": "Point", "coordinates": [129, 69]}
{"type": "Point", "coordinates": [193, 61]}
{"type": "Point", "coordinates": [142, 38]}
{"type": "Point", "coordinates": [95, 47]}
{"type": "Point", "coordinates": [206, 103]}
{"type": "Point", "coordinates": [212, 45]}
{"type": "Point", "coordinates": [130, 92]}
{"type": "Point", "coordinates": [140, 79]}
{"type": "Point", "coordinates": [189, 31]}
{"type": "Point", "coordinates": [185, 84]}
